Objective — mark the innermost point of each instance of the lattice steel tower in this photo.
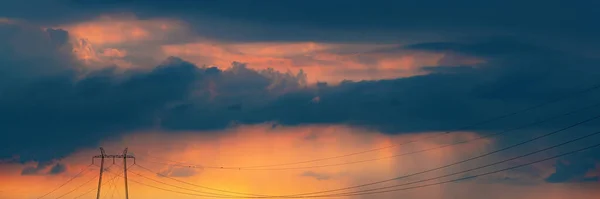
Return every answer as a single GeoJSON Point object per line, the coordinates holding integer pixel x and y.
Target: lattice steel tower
{"type": "Point", "coordinates": [102, 156]}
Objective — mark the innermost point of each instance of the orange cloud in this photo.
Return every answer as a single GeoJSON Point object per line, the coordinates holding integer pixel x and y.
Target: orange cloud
{"type": "Point", "coordinates": [320, 61]}
{"type": "Point", "coordinates": [107, 40]}
{"type": "Point", "coordinates": [4, 20]}
{"type": "Point", "coordinates": [119, 29]}
{"type": "Point", "coordinates": [113, 52]}
{"type": "Point", "coordinates": [95, 58]}
{"type": "Point", "coordinates": [153, 40]}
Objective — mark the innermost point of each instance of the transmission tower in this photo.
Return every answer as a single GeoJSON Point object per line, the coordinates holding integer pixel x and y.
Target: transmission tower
{"type": "Point", "coordinates": [102, 156]}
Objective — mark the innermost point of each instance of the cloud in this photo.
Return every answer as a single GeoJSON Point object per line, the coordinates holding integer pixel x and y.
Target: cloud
{"type": "Point", "coordinates": [28, 53]}
{"type": "Point", "coordinates": [34, 170]}
{"type": "Point", "coordinates": [120, 29]}
{"type": "Point", "coordinates": [178, 95]}
{"type": "Point", "coordinates": [58, 168]}
{"type": "Point", "coordinates": [177, 172]}
{"type": "Point", "coordinates": [112, 52]}
{"type": "Point", "coordinates": [4, 20]}
{"type": "Point", "coordinates": [380, 21]}
{"type": "Point", "coordinates": [53, 101]}
{"type": "Point", "coordinates": [44, 168]}
{"type": "Point", "coordinates": [72, 100]}
{"type": "Point", "coordinates": [490, 47]}
{"type": "Point", "coordinates": [127, 41]}
{"type": "Point", "coordinates": [329, 62]}
{"type": "Point", "coordinates": [579, 168]}
{"type": "Point", "coordinates": [103, 103]}
{"type": "Point", "coordinates": [430, 75]}
{"type": "Point", "coordinates": [124, 40]}
{"type": "Point", "coordinates": [319, 175]}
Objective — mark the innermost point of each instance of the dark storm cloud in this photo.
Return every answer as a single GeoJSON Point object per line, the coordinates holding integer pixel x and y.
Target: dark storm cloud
{"type": "Point", "coordinates": [58, 168]}
{"type": "Point", "coordinates": [40, 169]}
{"type": "Point", "coordinates": [65, 110]}
{"type": "Point", "coordinates": [35, 170]}
{"type": "Point", "coordinates": [26, 53]}
{"type": "Point", "coordinates": [63, 113]}
{"type": "Point", "coordinates": [71, 113]}
{"type": "Point", "coordinates": [337, 20]}
{"type": "Point", "coordinates": [46, 115]}
{"type": "Point", "coordinates": [44, 106]}
{"type": "Point", "coordinates": [47, 112]}
{"type": "Point", "coordinates": [490, 47]}
{"type": "Point", "coordinates": [576, 168]}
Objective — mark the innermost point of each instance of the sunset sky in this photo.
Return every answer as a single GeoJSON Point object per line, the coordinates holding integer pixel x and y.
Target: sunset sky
{"type": "Point", "coordinates": [319, 99]}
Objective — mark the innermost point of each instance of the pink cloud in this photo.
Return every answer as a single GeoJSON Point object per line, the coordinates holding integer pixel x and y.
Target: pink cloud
{"type": "Point", "coordinates": [320, 61]}
{"type": "Point", "coordinates": [119, 29]}
{"type": "Point", "coordinates": [4, 20]}
{"type": "Point", "coordinates": [113, 52]}
{"type": "Point", "coordinates": [153, 40]}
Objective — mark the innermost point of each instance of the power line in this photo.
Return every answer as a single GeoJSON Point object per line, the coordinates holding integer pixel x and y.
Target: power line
{"type": "Point", "coordinates": [113, 187]}
{"type": "Point", "coordinates": [568, 96]}
{"type": "Point", "coordinates": [200, 186]}
{"type": "Point", "coordinates": [414, 152]}
{"type": "Point", "coordinates": [143, 184]}
{"type": "Point", "coordinates": [110, 184]}
{"type": "Point", "coordinates": [381, 148]}
{"type": "Point", "coordinates": [484, 166]}
{"type": "Point", "coordinates": [308, 161]}
{"type": "Point", "coordinates": [140, 166]}
{"type": "Point", "coordinates": [455, 163]}
{"type": "Point", "coordinates": [118, 192]}
{"type": "Point", "coordinates": [421, 186]}
{"type": "Point", "coordinates": [459, 162]}
{"type": "Point", "coordinates": [307, 195]}
{"type": "Point", "coordinates": [160, 182]}
{"type": "Point", "coordinates": [84, 170]}
{"type": "Point", "coordinates": [483, 174]}
{"type": "Point", "coordinates": [78, 187]}
{"type": "Point", "coordinates": [94, 189]}
{"type": "Point", "coordinates": [102, 157]}
{"type": "Point", "coordinates": [218, 196]}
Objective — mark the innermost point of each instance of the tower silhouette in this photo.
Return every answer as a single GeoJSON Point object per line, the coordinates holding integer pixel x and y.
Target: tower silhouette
{"type": "Point", "coordinates": [103, 156]}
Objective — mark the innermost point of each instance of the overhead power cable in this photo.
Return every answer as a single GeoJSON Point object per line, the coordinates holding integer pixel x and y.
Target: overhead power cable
{"type": "Point", "coordinates": [480, 167]}
{"type": "Point", "coordinates": [414, 152]}
{"type": "Point", "coordinates": [78, 187]}
{"type": "Point", "coordinates": [94, 189]}
{"type": "Point", "coordinates": [179, 187]}
{"type": "Point", "coordinates": [448, 165]}
{"type": "Point", "coordinates": [462, 161]}
{"type": "Point", "coordinates": [482, 174]}
{"type": "Point", "coordinates": [83, 171]}
{"type": "Point", "coordinates": [199, 186]}
{"type": "Point", "coordinates": [112, 187]}
{"type": "Point", "coordinates": [163, 183]}
{"type": "Point", "coordinates": [561, 98]}
{"type": "Point", "coordinates": [312, 194]}
{"type": "Point", "coordinates": [370, 192]}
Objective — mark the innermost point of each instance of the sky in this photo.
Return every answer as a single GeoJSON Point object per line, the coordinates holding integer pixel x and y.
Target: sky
{"type": "Point", "coordinates": [280, 98]}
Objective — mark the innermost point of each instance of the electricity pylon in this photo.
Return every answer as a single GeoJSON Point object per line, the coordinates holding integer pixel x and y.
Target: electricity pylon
{"type": "Point", "coordinates": [102, 156]}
